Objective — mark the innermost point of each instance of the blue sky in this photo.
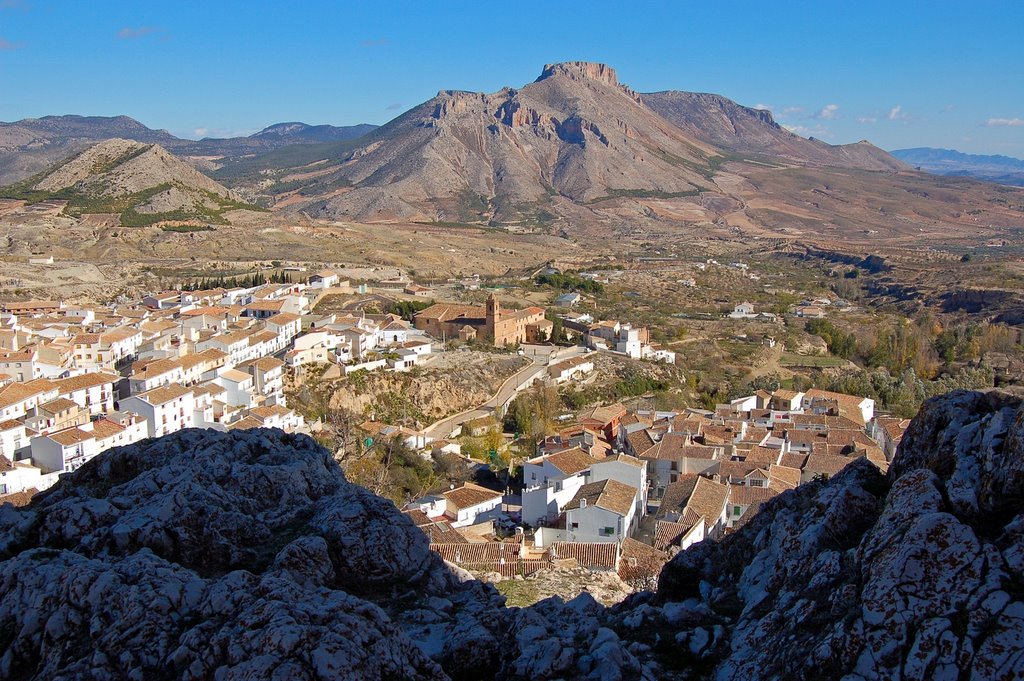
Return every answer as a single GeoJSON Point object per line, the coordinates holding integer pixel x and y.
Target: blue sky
{"type": "Point", "coordinates": [901, 74]}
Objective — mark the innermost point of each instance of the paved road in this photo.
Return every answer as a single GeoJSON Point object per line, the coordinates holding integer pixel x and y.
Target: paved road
{"type": "Point", "coordinates": [540, 358]}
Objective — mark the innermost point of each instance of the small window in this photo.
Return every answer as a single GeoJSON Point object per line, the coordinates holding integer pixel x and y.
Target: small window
{"type": "Point", "coordinates": [736, 510]}
{"type": "Point", "coordinates": [575, 526]}
{"type": "Point", "coordinates": [607, 531]}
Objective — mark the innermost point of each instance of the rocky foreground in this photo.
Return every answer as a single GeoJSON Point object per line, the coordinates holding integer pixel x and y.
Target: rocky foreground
{"type": "Point", "coordinates": [249, 556]}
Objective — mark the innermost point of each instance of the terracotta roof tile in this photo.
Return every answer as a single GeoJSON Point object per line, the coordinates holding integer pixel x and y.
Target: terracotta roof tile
{"type": "Point", "coordinates": [602, 556]}
{"type": "Point", "coordinates": [745, 495]}
{"type": "Point", "coordinates": [19, 498]}
{"type": "Point", "coordinates": [708, 500]}
{"type": "Point", "coordinates": [470, 495]}
{"type": "Point", "coordinates": [70, 436]}
{"type": "Point", "coordinates": [826, 464]}
{"type": "Point", "coordinates": [640, 441]}
{"type": "Point", "coordinates": [570, 461]}
{"type": "Point", "coordinates": [677, 495]}
{"type": "Point", "coordinates": [667, 533]}
{"type": "Point", "coordinates": [84, 381]}
{"type": "Point", "coordinates": [640, 561]}
{"type": "Point", "coordinates": [784, 476]}
{"type": "Point", "coordinates": [610, 495]}
{"type": "Point", "coordinates": [485, 557]}
{"type": "Point", "coordinates": [793, 460]}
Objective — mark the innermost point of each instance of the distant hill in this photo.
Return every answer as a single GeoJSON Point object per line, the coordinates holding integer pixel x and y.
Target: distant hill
{"type": "Point", "coordinates": [1000, 169]}
{"type": "Point", "coordinates": [270, 138]}
{"type": "Point", "coordinates": [144, 183]}
{"type": "Point", "coordinates": [743, 130]}
{"type": "Point", "coordinates": [31, 145]}
{"type": "Point", "coordinates": [292, 133]}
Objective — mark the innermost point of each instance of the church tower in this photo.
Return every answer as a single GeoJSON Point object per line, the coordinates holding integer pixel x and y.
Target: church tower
{"type": "Point", "coordinates": [493, 316]}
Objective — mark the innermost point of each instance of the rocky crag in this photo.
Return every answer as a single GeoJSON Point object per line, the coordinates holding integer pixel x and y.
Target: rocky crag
{"type": "Point", "coordinates": [249, 556]}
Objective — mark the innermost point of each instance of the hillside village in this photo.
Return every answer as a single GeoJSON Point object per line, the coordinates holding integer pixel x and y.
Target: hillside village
{"type": "Point", "coordinates": [623, 490]}
{"type": "Point", "coordinates": [76, 380]}
{"type": "Point", "coordinates": [613, 490]}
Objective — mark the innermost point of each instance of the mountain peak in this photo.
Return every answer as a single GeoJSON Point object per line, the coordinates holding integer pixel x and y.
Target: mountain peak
{"type": "Point", "coordinates": [580, 70]}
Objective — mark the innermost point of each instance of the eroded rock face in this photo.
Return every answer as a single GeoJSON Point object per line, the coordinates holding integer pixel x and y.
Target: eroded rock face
{"type": "Point", "coordinates": [914, 576]}
{"type": "Point", "coordinates": [249, 556]}
{"type": "Point", "coordinates": [235, 556]}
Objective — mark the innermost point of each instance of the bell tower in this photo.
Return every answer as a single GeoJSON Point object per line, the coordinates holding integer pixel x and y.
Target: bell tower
{"type": "Point", "coordinates": [493, 315]}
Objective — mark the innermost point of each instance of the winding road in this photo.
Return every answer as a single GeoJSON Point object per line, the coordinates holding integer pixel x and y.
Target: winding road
{"type": "Point", "coordinates": [541, 357]}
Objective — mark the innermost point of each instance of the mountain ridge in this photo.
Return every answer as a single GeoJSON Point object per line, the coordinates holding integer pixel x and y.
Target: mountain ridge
{"type": "Point", "coordinates": [746, 130]}
{"type": "Point", "coordinates": [988, 167]}
{"type": "Point", "coordinates": [31, 145]}
{"type": "Point", "coordinates": [577, 154]}
{"type": "Point", "coordinates": [573, 145]}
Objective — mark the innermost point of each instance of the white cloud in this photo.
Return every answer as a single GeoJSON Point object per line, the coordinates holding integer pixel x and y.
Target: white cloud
{"type": "Point", "coordinates": [1004, 122]}
{"type": "Point", "coordinates": [763, 107]}
{"type": "Point", "coordinates": [829, 112]}
{"type": "Point", "coordinates": [215, 133]}
{"type": "Point", "coordinates": [867, 119]}
{"type": "Point", "coordinates": [394, 106]}
{"type": "Point", "coordinates": [897, 114]}
{"type": "Point", "coordinates": [819, 131]}
{"type": "Point", "coordinates": [791, 111]}
{"type": "Point", "coordinates": [129, 32]}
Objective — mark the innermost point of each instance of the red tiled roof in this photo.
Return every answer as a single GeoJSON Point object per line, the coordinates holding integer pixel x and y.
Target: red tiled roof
{"type": "Point", "coordinates": [602, 556]}
{"type": "Point", "coordinates": [570, 461]}
{"type": "Point", "coordinates": [640, 561]}
{"type": "Point", "coordinates": [485, 557]}
{"type": "Point", "coordinates": [470, 495]}
{"type": "Point", "coordinates": [668, 533]}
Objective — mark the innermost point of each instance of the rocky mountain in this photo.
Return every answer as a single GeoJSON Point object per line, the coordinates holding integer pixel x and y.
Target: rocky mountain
{"type": "Point", "coordinates": [31, 145]}
{"type": "Point", "coordinates": [575, 134]}
{"type": "Point", "coordinates": [142, 182]}
{"type": "Point", "coordinates": [575, 147]}
{"type": "Point", "coordinates": [247, 555]}
{"type": "Point", "coordinates": [1000, 169]}
{"type": "Point", "coordinates": [743, 130]}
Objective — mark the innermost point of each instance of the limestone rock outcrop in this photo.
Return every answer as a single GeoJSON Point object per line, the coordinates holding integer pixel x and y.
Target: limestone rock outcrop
{"type": "Point", "coordinates": [236, 556]}
{"type": "Point", "coordinates": [247, 555]}
{"type": "Point", "coordinates": [912, 576]}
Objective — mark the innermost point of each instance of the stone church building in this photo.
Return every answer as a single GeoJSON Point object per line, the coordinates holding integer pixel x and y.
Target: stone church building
{"type": "Point", "coordinates": [489, 323]}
